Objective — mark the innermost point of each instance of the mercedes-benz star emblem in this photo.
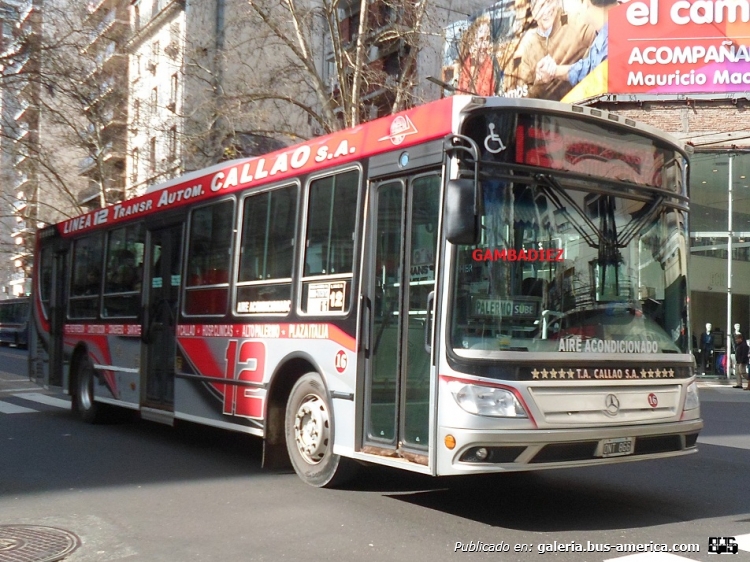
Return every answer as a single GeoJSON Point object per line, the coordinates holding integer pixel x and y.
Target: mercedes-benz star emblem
{"type": "Point", "coordinates": [612, 405]}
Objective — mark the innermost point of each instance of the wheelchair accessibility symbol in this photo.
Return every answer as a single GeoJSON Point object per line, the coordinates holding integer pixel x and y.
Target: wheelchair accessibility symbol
{"type": "Point", "coordinates": [492, 142]}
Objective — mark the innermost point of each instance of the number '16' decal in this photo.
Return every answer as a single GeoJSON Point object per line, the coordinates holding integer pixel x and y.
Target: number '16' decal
{"type": "Point", "coordinates": [241, 400]}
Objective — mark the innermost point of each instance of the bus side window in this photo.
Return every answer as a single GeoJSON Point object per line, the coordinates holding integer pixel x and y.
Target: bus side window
{"type": "Point", "coordinates": [209, 253]}
{"type": "Point", "coordinates": [85, 284]}
{"type": "Point", "coordinates": [269, 222]}
{"type": "Point", "coordinates": [330, 225]}
{"type": "Point", "coordinates": [124, 273]}
{"type": "Point", "coordinates": [45, 279]}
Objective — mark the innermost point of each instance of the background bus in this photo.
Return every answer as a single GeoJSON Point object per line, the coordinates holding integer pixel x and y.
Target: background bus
{"type": "Point", "coordinates": [473, 285]}
{"type": "Point", "coordinates": [14, 321]}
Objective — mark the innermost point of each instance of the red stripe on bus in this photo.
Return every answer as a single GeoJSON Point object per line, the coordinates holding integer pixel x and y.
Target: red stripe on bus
{"type": "Point", "coordinates": [264, 331]}
{"type": "Point", "coordinates": [97, 347]}
{"type": "Point", "coordinates": [402, 130]}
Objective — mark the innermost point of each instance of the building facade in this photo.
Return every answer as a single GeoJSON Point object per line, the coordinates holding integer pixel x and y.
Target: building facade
{"type": "Point", "coordinates": [19, 142]}
{"type": "Point", "coordinates": [102, 170]}
{"type": "Point", "coordinates": [155, 50]}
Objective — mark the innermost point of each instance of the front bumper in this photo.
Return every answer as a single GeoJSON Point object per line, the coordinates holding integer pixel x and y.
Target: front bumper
{"type": "Point", "coordinates": [521, 450]}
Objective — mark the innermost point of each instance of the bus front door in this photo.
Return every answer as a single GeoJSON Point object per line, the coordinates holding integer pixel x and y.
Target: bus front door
{"type": "Point", "coordinates": [160, 316]}
{"type": "Point", "coordinates": [399, 284]}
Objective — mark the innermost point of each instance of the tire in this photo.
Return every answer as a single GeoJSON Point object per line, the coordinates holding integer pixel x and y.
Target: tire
{"type": "Point", "coordinates": [84, 405]}
{"type": "Point", "coordinates": [309, 435]}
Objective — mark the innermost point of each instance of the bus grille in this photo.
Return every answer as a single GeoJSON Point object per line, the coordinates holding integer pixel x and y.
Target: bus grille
{"type": "Point", "coordinates": [593, 405]}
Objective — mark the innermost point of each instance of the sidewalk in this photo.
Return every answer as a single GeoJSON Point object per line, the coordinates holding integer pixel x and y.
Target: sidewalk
{"type": "Point", "coordinates": [716, 380]}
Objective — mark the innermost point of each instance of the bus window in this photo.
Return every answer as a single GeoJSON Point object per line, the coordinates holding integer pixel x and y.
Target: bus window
{"type": "Point", "coordinates": [209, 258]}
{"type": "Point", "coordinates": [85, 284]}
{"type": "Point", "coordinates": [330, 224]}
{"type": "Point", "coordinates": [329, 250]}
{"type": "Point", "coordinates": [45, 279]}
{"type": "Point", "coordinates": [14, 321]}
{"type": "Point", "coordinates": [267, 252]}
{"type": "Point", "coordinates": [124, 271]}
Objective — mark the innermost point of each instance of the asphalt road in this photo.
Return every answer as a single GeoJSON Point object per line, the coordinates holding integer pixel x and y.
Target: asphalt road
{"type": "Point", "coordinates": [139, 491]}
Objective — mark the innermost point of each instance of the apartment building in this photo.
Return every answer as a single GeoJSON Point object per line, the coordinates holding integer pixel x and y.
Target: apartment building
{"type": "Point", "coordinates": [19, 142]}
{"type": "Point", "coordinates": [107, 28]}
{"type": "Point", "coordinates": [155, 50]}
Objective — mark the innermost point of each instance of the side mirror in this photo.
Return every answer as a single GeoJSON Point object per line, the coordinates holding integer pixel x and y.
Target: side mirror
{"type": "Point", "coordinates": [461, 218]}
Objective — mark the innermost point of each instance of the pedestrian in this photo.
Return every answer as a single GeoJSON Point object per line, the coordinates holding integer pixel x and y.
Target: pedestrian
{"type": "Point", "coordinates": [741, 353]}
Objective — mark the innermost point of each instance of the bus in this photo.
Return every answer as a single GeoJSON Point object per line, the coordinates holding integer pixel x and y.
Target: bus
{"type": "Point", "coordinates": [475, 285]}
{"type": "Point", "coordinates": [14, 321]}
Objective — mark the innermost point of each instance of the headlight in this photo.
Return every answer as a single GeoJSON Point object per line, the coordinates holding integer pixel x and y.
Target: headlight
{"type": "Point", "coordinates": [691, 400]}
{"type": "Point", "coordinates": [486, 400]}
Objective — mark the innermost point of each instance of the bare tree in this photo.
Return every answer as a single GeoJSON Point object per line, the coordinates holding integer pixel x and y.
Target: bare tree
{"type": "Point", "coordinates": [292, 69]}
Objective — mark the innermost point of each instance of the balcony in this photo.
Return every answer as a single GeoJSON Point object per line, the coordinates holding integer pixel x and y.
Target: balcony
{"type": "Point", "coordinates": [86, 165]}
{"type": "Point", "coordinates": [23, 181]}
{"type": "Point", "coordinates": [93, 6]}
{"type": "Point", "coordinates": [25, 13]}
{"type": "Point", "coordinates": [23, 131]}
{"type": "Point", "coordinates": [22, 231]}
{"type": "Point", "coordinates": [105, 88]}
{"type": "Point", "coordinates": [112, 151]}
{"type": "Point", "coordinates": [20, 161]}
{"type": "Point", "coordinates": [145, 20]}
{"type": "Point", "coordinates": [89, 195]}
{"type": "Point", "coordinates": [19, 206]}
{"type": "Point", "coordinates": [21, 255]}
{"type": "Point", "coordinates": [107, 27]}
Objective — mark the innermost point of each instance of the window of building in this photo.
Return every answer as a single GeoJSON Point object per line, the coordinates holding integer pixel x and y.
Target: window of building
{"type": "Point", "coordinates": [86, 279]}
{"type": "Point", "coordinates": [350, 25]}
{"type": "Point", "coordinates": [269, 223]}
{"type": "Point", "coordinates": [136, 114]}
{"type": "Point", "coordinates": [154, 100]}
{"type": "Point", "coordinates": [172, 143]}
{"type": "Point", "coordinates": [152, 155]}
{"type": "Point", "coordinates": [135, 163]}
{"type": "Point", "coordinates": [123, 276]}
{"type": "Point", "coordinates": [173, 85]}
{"type": "Point", "coordinates": [209, 258]}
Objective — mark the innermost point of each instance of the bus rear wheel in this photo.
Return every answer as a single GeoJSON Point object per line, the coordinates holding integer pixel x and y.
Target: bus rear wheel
{"type": "Point", "coordinates": [84, 404]}
{"type": "Point", "coordinates": [309, 435]}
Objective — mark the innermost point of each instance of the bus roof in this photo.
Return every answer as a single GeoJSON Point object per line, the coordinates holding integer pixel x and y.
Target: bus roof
{"type": "Point", "coordinates": [407, 128]}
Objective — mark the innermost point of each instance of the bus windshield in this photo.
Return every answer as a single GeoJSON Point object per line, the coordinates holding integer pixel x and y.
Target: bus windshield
{"type": "Point", "coordinates": [584, 258]}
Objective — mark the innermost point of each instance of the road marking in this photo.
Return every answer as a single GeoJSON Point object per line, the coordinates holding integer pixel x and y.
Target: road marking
{"type": "Point", "coordinates": [8, 408]}
{"type": "Point", "coordinates": [743, 542]}
{"type": "Point", "coordinates": [18, 389]}
{"type": "Point", "coordinates": [44, 399]}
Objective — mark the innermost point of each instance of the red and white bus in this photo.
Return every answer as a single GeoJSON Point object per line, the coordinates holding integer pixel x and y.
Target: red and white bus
{"type": "Point", "coordinates": [474, 285]}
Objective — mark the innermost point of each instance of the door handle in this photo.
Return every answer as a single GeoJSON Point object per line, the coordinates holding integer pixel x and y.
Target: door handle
{"type": "Point", "coordinates": [365, 306]}
{"type": "Point", "coordinates": [428, 322]}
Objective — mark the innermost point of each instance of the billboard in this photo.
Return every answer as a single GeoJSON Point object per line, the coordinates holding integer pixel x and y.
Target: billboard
{"type": "Point", "coordinates": [566, 50]}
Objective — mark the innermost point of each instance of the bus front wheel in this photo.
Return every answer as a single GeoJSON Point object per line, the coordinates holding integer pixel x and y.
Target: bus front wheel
{"type": "Point", "coordinates": [85, 406]}
{"type": "Point", "coordinates": [309, 435]}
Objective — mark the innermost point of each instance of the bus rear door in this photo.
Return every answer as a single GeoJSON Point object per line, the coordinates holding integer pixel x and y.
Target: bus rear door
{"type": "Point", "coordinates": [160, 318]}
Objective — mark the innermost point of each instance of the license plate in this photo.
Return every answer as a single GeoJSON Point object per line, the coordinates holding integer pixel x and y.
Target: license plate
{"type": "Point", "coordinates": [617, 447]}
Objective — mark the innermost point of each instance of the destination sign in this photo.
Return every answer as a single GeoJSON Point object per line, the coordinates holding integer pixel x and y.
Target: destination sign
{"type": "Point", "coordinates": [505, 308]}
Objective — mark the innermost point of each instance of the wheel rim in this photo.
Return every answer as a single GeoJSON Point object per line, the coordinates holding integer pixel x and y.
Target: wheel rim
{"type": "Point", "coordinates": [312, 429]}
{"type": "Point", "coordinates": [84, 388]}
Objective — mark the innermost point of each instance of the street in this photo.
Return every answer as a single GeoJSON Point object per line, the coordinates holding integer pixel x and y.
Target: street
{"type": "Point", "coordinates": [136, 491]}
